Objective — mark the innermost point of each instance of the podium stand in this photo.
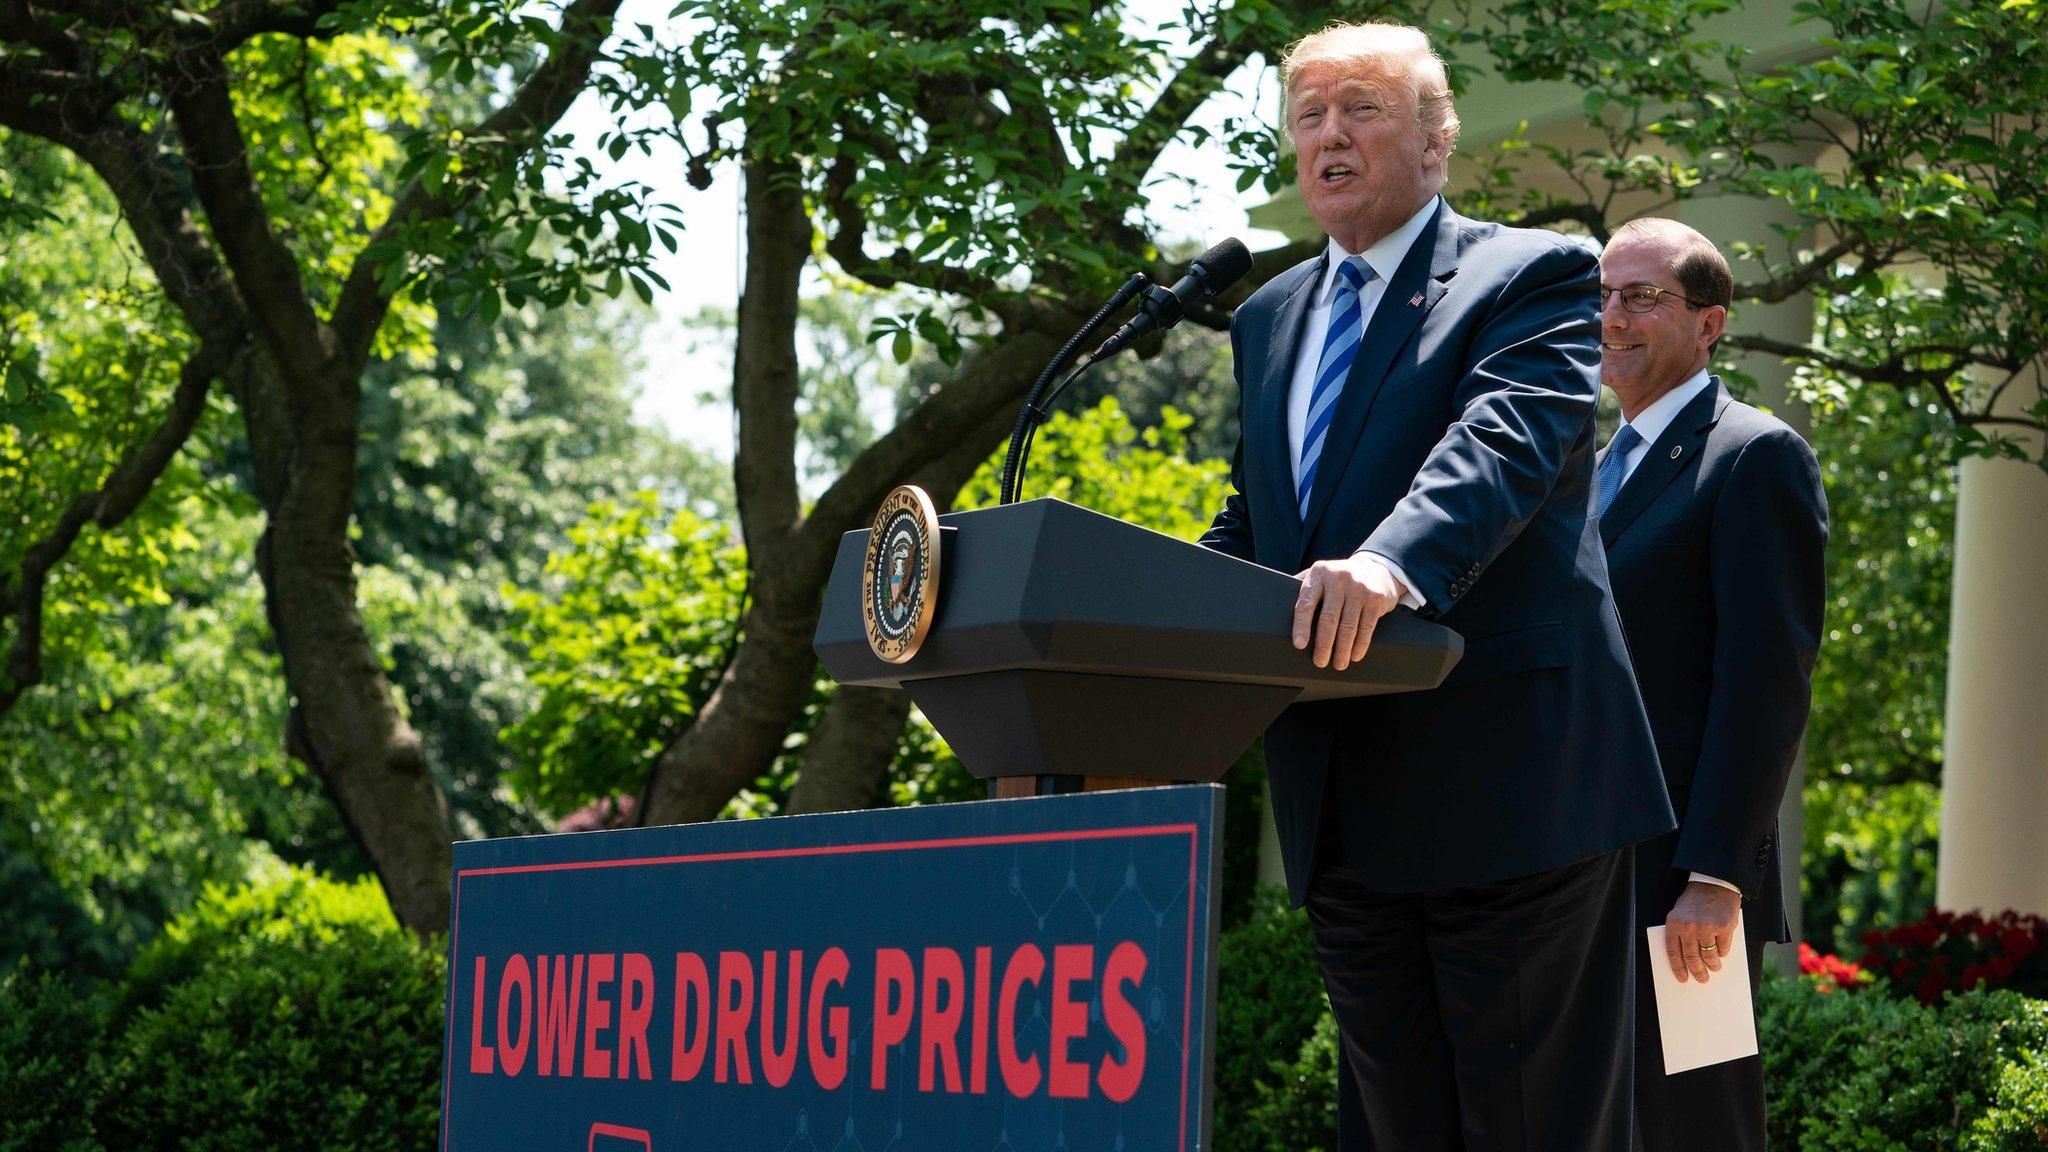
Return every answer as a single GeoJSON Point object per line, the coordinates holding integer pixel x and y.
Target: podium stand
{"type": "Point", "coordinates": [1072, 651]}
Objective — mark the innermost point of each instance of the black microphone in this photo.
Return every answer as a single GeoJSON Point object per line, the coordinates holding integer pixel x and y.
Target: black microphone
{"type": "Point", "coordinates": [1212, 272]}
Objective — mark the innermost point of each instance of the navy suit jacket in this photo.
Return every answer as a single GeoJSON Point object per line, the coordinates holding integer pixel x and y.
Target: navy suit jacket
{"type": "Point", "coordinates": [1716, 545]}
{"type": "Point", "coordinates": [1461, 449]}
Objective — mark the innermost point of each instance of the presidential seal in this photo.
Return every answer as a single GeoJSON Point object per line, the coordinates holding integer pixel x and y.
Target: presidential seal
{"type": "Point", "coordinates": [901, 575]}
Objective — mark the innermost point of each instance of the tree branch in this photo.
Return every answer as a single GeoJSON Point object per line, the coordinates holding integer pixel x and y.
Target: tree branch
{"type": "Point", "coordinates": [986, 381]}
{"type": "Point", "coordinates": [1589, 215]}
{"type": "Point", "coordinates": [765, 377]}
{"type": "Point", "coordinates": [19, 25]}
{"type": "Point", "coordinates": [1820, 268]}
{"type": "Point", "coordinates": [155, 199]}
{"type": "Point", "coordinates": [266, 271]}
{"type": "Point", "coordinates": [116, 498]}
{"type": "Point", "coordinates": [1895, 370]}
{"type": "Point", "coordinates": [510, 132]}
{"type": "Point", "coordinates": [239, 21]}
{"type": "Point", "coordinates": [850, 225]}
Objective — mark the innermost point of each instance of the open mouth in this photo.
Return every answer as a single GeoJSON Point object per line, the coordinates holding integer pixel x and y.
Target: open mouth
{"type": "Point", "coordinates": [1334, 173]}
{"type": "Point", "coordinates": [1608, 347]}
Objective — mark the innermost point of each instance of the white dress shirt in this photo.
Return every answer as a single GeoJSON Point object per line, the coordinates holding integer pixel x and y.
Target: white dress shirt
{"type": "Point", "coordinates": [1385, 258]}
{"type": "Point", "coordinates": [1651, 423]}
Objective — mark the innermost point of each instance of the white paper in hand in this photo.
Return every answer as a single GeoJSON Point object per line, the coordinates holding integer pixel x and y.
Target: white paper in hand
{"type": "Point", "coordinates": [1703, 1024]}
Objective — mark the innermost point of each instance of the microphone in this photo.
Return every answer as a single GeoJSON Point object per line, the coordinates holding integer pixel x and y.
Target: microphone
{"type": "Point", "coordinates": [1212, 272]}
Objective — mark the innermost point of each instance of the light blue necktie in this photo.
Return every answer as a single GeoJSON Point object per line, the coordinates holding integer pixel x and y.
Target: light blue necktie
{"type": "Point", "coordinates": [1340, 348]}
{"type": "Point", "coordinates": [1614, 467]}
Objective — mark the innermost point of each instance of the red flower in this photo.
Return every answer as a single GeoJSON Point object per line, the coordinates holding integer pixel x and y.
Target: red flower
{"type": "Point", "coordinates": [1931, 988]}
{"type": "Point", "coordinates": [2018, 944]}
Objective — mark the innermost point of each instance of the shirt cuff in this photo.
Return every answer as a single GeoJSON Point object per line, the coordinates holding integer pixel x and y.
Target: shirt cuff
{"type": "Point", "coordinates": [1410, 598]}
{"type": "Point", "coordinates": [1716, 881]}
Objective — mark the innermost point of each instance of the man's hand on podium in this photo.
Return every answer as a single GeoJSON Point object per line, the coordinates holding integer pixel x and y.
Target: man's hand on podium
{"type": "Point", "coordinates": [1341, 602]}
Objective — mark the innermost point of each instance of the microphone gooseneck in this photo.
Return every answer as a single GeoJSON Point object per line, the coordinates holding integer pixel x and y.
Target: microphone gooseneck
{"type": "Point", "coordinates": [1159, 309]}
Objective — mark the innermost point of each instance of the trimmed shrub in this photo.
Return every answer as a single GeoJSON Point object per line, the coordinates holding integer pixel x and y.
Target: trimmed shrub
{"type": "Point", "coordinates": [1297, 1111]}
{"type": "Point", "coordinates": [1873, 1073]}
{"type": "Point", "coordinates": [52, 1064]}
{"type": "Point", "coordinates": [1847, 1068]}
{"type": "Point", "coordinates": [1269, 993]}
{"type": "Point", "coordinates": [295, 1014]}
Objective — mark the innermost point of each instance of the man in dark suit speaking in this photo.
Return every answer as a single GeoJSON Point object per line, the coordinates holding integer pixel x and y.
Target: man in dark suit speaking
{"type": "Point", "coordinates": [1417, 409]}
{"type": "Point", "coordinates": [1715, 527]}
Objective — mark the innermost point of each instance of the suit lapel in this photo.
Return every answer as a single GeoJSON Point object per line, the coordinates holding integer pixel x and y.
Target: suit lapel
{"type": "Point", "coordinates": [1673, 453]}
{"type": "Point", "coordinates": [1410, 296]}
{"type": "Point", "coordinates": [1420, 279]}
{"type": "Point", "coordinates": [1269, 414]}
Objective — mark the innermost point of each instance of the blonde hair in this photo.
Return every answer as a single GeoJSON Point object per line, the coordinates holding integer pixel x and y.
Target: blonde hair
{"type": "Point", "coordinates": [1398, 50]}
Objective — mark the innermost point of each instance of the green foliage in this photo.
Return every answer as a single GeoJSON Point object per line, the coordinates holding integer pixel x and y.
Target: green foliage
{"type": "Point", "coordinates": [1843, 1071]}
{"type": "Point", "coordinates": [45, 929]}
{"type": "Point", "coordinates": [134, 775]}
{"type": "Point", "coordinates": [1891, 486]}
{"type": "Point", "coordinates": [1099, 459]}
{"type": "Point", "coordinates": [1191, 375]}
{"type": "Point", "coordinates": [1296, 1111]}
{"type": "Point", "coordinates": [1864, 1072]}
{"type": "Point", "coordinates": [624, 644]}
{"type": "Point", "coordinates": [1874, 742]}
{"type": "Point", "coordinates": [1269, 994]}
{"type": "Point", "coordinates": [294, 1013]}
{"type": "Point", "coordinates": [2017, 1120]}
{"type": "Point", "coordinates": [1936, 108]}
{"type": "Point", "coordinates": [1870, 857]}
{"type": "Point", "coordinates": [52, 1063]}
{"type": "Point", "coordinates": [87, 364]}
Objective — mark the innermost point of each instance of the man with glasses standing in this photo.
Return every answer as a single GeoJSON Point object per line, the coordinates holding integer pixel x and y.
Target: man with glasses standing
{"type": "Point", "coordinates": [1715, 525]}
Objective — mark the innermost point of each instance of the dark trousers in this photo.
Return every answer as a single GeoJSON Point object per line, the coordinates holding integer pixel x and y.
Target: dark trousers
{"type": "Point", "coordinates": [1487, 1018]}
{"type": "Point", "coordinates": [1720, 1106]}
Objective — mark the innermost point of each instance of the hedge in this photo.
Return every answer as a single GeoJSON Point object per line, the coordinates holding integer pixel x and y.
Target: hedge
{"type": "Point", "coordinates": [295, 1014]}
{"type": "Point", "coordinates": [1845, 1071]}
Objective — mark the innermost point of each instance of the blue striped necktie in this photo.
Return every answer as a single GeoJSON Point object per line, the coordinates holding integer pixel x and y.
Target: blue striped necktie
{"type": "Point", "coordinates": [1340, 348]}
{"type": "Point", "coordinates": [1614, 467]}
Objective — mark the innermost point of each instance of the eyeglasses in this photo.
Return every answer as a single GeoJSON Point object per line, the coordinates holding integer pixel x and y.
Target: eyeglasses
{"type": "Point", "coordinates": [1643, 297]}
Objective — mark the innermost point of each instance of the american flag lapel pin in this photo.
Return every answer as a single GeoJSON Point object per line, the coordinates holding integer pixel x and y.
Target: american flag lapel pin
{"type": "Point", "coordinates": [1415, 301]}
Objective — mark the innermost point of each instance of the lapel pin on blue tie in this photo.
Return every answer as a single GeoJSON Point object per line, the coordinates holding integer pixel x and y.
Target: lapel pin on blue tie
{"type": "Point", "coordinates": [1415, 301]}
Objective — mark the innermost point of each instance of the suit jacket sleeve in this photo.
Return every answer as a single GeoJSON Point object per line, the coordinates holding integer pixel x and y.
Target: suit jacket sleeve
{"type": "Point", "coordinates": [1231, 532]}
{"type": "Point", "coordinates": [1768, 563]}
{"type": "Point", "coordinates": [1524, 402]}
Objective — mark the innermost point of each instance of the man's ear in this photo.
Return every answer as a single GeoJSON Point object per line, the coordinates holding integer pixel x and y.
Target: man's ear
{"type": "Point", "coordinates": [1713, 321]}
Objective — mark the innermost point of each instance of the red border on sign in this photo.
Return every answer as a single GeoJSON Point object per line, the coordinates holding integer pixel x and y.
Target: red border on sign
{"type": "Point", "coordinates": [1191, 831]}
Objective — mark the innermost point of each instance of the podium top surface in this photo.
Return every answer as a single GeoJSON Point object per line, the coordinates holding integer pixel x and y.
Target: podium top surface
{"type": "Point", "coordinates": [1049, 585]}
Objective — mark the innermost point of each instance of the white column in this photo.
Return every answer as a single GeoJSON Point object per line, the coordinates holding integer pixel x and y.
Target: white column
{"type": "Point", "coordinates": [1994, 783]}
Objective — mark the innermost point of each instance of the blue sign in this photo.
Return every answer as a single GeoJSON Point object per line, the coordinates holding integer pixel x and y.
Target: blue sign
{"type": "Point", "coordinates": [1006, 976]}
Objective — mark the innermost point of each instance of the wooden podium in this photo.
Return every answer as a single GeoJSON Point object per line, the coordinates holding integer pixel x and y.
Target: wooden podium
{"type": "Point", "coordinates": [1071, 651]}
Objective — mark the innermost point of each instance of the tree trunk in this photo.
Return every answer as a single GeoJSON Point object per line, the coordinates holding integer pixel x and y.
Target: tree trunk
{"type": "Point", "coordinates": [848, 757]}
{"type": "Point", "coordinates": [740, 729]}
{"type": "Point", "coordinates": [344, 721]}
{"type": "Point", "coordinates": [847, 760]}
